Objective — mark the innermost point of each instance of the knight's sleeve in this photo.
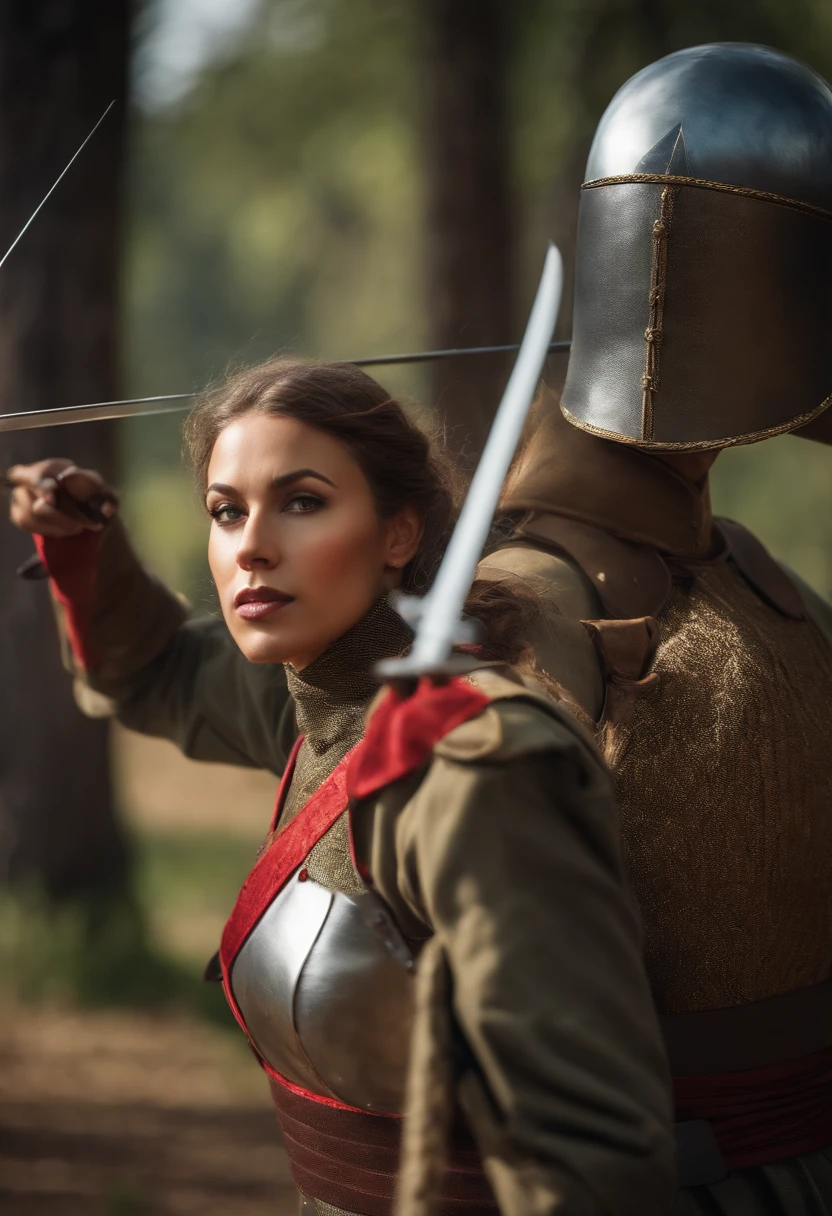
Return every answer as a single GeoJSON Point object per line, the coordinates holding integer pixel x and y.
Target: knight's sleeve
{"type": "Point", "coordinates": [135, 654]}
{"type": "Point", "coordinates": [562, 647]}
{"type": "Point", "coordinates": [508, 850]}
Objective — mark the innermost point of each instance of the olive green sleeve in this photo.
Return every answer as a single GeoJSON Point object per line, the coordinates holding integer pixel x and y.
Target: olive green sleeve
{"type": "Point", "coordinates": [163, 674]}
{"type": "Point", "coordinates": [515, 864]}
{"type": "Point", "coordinates": [201, 693]}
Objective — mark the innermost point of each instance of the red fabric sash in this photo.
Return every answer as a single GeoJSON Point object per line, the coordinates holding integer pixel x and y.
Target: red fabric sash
{"type": "Point", "coordinates": [72, 565]}
{"type": "Point", "coordinates": [289, 849]}
{"type": "Point", "coordinates": [350, 1159]}
{"type": "Point", "coordinates": [765, 1114]}
{"type": "Point", "coordinates": [402, 732]}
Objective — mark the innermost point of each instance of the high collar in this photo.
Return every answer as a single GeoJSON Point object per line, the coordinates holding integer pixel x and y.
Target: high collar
{"type": "Point", "coordinates": [330, 694]}
{"type": "Point", "coordinates": [630, 493]}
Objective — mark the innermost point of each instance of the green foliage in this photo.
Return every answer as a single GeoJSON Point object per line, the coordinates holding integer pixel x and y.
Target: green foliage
{"type": "Point", "coordinates": [106, 953]}
{"type": "Point", "coordinates": [278, 205]}
{"type": "Point", "coordinates": [782, 490]}
{"type": "Point", "coordinates": [187, 871]}
{"type": "Point", "coordinates": [128, 1201]}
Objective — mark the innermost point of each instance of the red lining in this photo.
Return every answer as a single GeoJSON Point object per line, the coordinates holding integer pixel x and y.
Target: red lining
{"type": "Point", "coordinates": [285, 782]}
{"type": "Point", "coordinates": [321, 1099]}
{"type": "Point", "coordinates": [72, 565]}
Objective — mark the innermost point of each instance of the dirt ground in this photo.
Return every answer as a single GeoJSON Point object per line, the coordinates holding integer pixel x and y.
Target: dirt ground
{"type": "Point", "coordinates": [122, 1113]}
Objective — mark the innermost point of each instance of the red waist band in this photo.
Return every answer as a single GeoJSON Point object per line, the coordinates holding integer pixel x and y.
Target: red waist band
{"type": "Point", "coordinates": [350, 1159]}
{"type": "Point", "coordinates": [764, 1114]}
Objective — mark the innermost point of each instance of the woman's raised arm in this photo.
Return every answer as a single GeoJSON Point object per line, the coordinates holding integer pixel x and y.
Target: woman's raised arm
{"type": "Point", "coordinates": [128, 640]}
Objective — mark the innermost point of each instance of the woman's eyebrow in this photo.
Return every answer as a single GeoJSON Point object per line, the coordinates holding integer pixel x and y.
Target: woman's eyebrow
{"type": "Point", "coordinates": [284, 480]}
{"type": "Point", "coordinates": [220, 487]}
{"type": "Point", "coordinates": [287, 478]}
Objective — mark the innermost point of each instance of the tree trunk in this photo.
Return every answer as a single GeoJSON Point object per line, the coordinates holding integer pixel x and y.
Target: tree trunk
{"type": "Point", "coordinates": [61, 62]}
{"type": "Point", "coordinates": [469, 237]}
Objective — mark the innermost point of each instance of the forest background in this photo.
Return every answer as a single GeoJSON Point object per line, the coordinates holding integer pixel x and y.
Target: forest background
{"type": "Point", "coordinates": [333, 178]}
{"type": "Point", "coordinates": [277, 201]}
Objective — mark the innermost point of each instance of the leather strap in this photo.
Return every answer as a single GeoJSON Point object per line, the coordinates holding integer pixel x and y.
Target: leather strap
{"type": "Point", "coordinates": [631, 580]}
{"type": "Point", "coordinates": [759, 569]}
{"type": "Point", "coordinates": [634, 580]}
{"type": "Point", "coordinates": [750, 1036]}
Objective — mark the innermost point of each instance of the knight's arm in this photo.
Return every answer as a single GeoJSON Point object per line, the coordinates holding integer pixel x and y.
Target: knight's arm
{"type": "Point", "coordinates": [508, 850]}
{"type": "Point", "coordinates": [134, 653]}
{"type": "Point", "coordinates": [562, 646]}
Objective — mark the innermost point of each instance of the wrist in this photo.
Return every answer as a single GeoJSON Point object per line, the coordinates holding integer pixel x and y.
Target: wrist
{"type": "Point", "coordinates": [72, 565]}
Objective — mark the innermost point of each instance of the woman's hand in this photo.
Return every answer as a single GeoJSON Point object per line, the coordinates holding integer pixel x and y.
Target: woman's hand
{"type": "Point", "coordinates": [55, 498]}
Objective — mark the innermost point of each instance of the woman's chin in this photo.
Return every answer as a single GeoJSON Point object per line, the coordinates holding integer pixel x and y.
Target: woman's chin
{"type": "Point", "coordinates": [259, 646]}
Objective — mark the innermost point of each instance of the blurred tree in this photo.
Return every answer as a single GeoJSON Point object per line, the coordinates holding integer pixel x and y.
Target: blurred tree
{"type": "Point", "coordinates": [469, 221]}
{"type": "Point", "coordinates": [275, 206]}
{"type": "Point", "coordinates": [61, 62]}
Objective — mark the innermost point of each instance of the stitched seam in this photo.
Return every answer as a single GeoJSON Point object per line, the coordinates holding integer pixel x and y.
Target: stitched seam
{"type": "Point", "coordinates": [702, 445]}
{"type": "Point", "coordinates": [702, 184]}
{"type": "Point", "coordinates": [654, 333]}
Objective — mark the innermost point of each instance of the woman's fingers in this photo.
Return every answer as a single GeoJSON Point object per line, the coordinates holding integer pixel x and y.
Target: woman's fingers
{"type": "Point", "coordinates": [31, 512]}
{"type": "Point", "coordinates": [86, 485]}
{"type": "Point", "coordinates": [33, 474]}
{"type": "Point", "coordinates": [57, 498]}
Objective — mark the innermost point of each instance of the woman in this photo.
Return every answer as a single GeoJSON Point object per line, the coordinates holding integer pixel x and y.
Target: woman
{"type": "Point", "coordinates": [472, 824]}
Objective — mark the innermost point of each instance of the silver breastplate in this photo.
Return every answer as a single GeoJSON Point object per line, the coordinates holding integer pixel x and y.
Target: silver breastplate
{"type": "Point", "coordinates": [323, 982]}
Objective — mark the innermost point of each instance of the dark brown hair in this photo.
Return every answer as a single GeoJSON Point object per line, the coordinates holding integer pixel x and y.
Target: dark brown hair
{"type": "Point", "coordinates": [403, 464]}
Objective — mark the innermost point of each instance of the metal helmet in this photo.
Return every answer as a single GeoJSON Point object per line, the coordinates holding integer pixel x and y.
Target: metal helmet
{"type": "Point", "coordinates": [703, 293]}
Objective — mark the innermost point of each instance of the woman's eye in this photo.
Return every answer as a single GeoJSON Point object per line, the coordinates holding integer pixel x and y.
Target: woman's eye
{"type": "Point", "coordinates": [302, 503]}
{"type": "Point", "coordinates": [225, 513]}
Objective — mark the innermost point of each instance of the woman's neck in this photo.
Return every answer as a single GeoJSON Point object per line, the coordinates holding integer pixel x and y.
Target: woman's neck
{"type": "Point", "coordinates": [331, 692]}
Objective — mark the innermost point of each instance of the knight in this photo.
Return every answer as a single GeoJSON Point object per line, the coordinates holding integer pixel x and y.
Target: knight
{"type": "Point", "coordinates": [702, 320]}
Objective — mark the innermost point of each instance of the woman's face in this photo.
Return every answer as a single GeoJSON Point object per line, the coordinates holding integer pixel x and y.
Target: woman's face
{"type": "Point", "coordinates": [297, 549]}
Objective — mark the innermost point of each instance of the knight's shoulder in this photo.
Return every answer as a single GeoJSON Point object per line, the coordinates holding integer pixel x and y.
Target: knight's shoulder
{"type": "Point", "coordinates": [555, 578]}
{"type": "Point", "coordinates": [520, 719]}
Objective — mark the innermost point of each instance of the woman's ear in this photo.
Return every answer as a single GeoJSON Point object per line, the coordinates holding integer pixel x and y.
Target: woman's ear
{"type": "Point", "coordinates": [404, 535]}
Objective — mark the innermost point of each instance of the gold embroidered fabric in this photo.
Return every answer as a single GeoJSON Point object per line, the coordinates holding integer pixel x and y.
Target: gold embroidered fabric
{"type": "Point", "coordinates": [331, 696]}
{"type": "Point", "coordinates": [726, 791]}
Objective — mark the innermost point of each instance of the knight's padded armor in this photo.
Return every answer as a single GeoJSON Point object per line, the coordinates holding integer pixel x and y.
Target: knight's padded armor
{"type": "Point", "coordinates": [724, 789]}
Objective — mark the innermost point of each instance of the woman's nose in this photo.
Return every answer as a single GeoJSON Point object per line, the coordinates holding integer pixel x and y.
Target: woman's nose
{"type": "Point", "coordinates": [258, 545]}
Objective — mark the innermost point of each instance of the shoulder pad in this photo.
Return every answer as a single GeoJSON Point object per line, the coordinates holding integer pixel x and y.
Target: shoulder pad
{"type": "Point", "coordinates": [520, 721]}
{"type": "Point", "coordinates": [558, 582]}
{"type": "Point", "coordinates": [818, 610]}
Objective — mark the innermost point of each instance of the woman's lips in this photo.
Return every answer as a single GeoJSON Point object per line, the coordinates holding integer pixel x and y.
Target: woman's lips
{"type": "Point", "coordinates": [253, 603]}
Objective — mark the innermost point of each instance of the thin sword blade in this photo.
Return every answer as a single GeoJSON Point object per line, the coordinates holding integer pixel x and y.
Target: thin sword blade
{"type": "Point", "coordinates": [56, 182]}
{"type": "Point", "coordinates": [170, 403]}
{"type": "Point", "coordinates": [438, 617]}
